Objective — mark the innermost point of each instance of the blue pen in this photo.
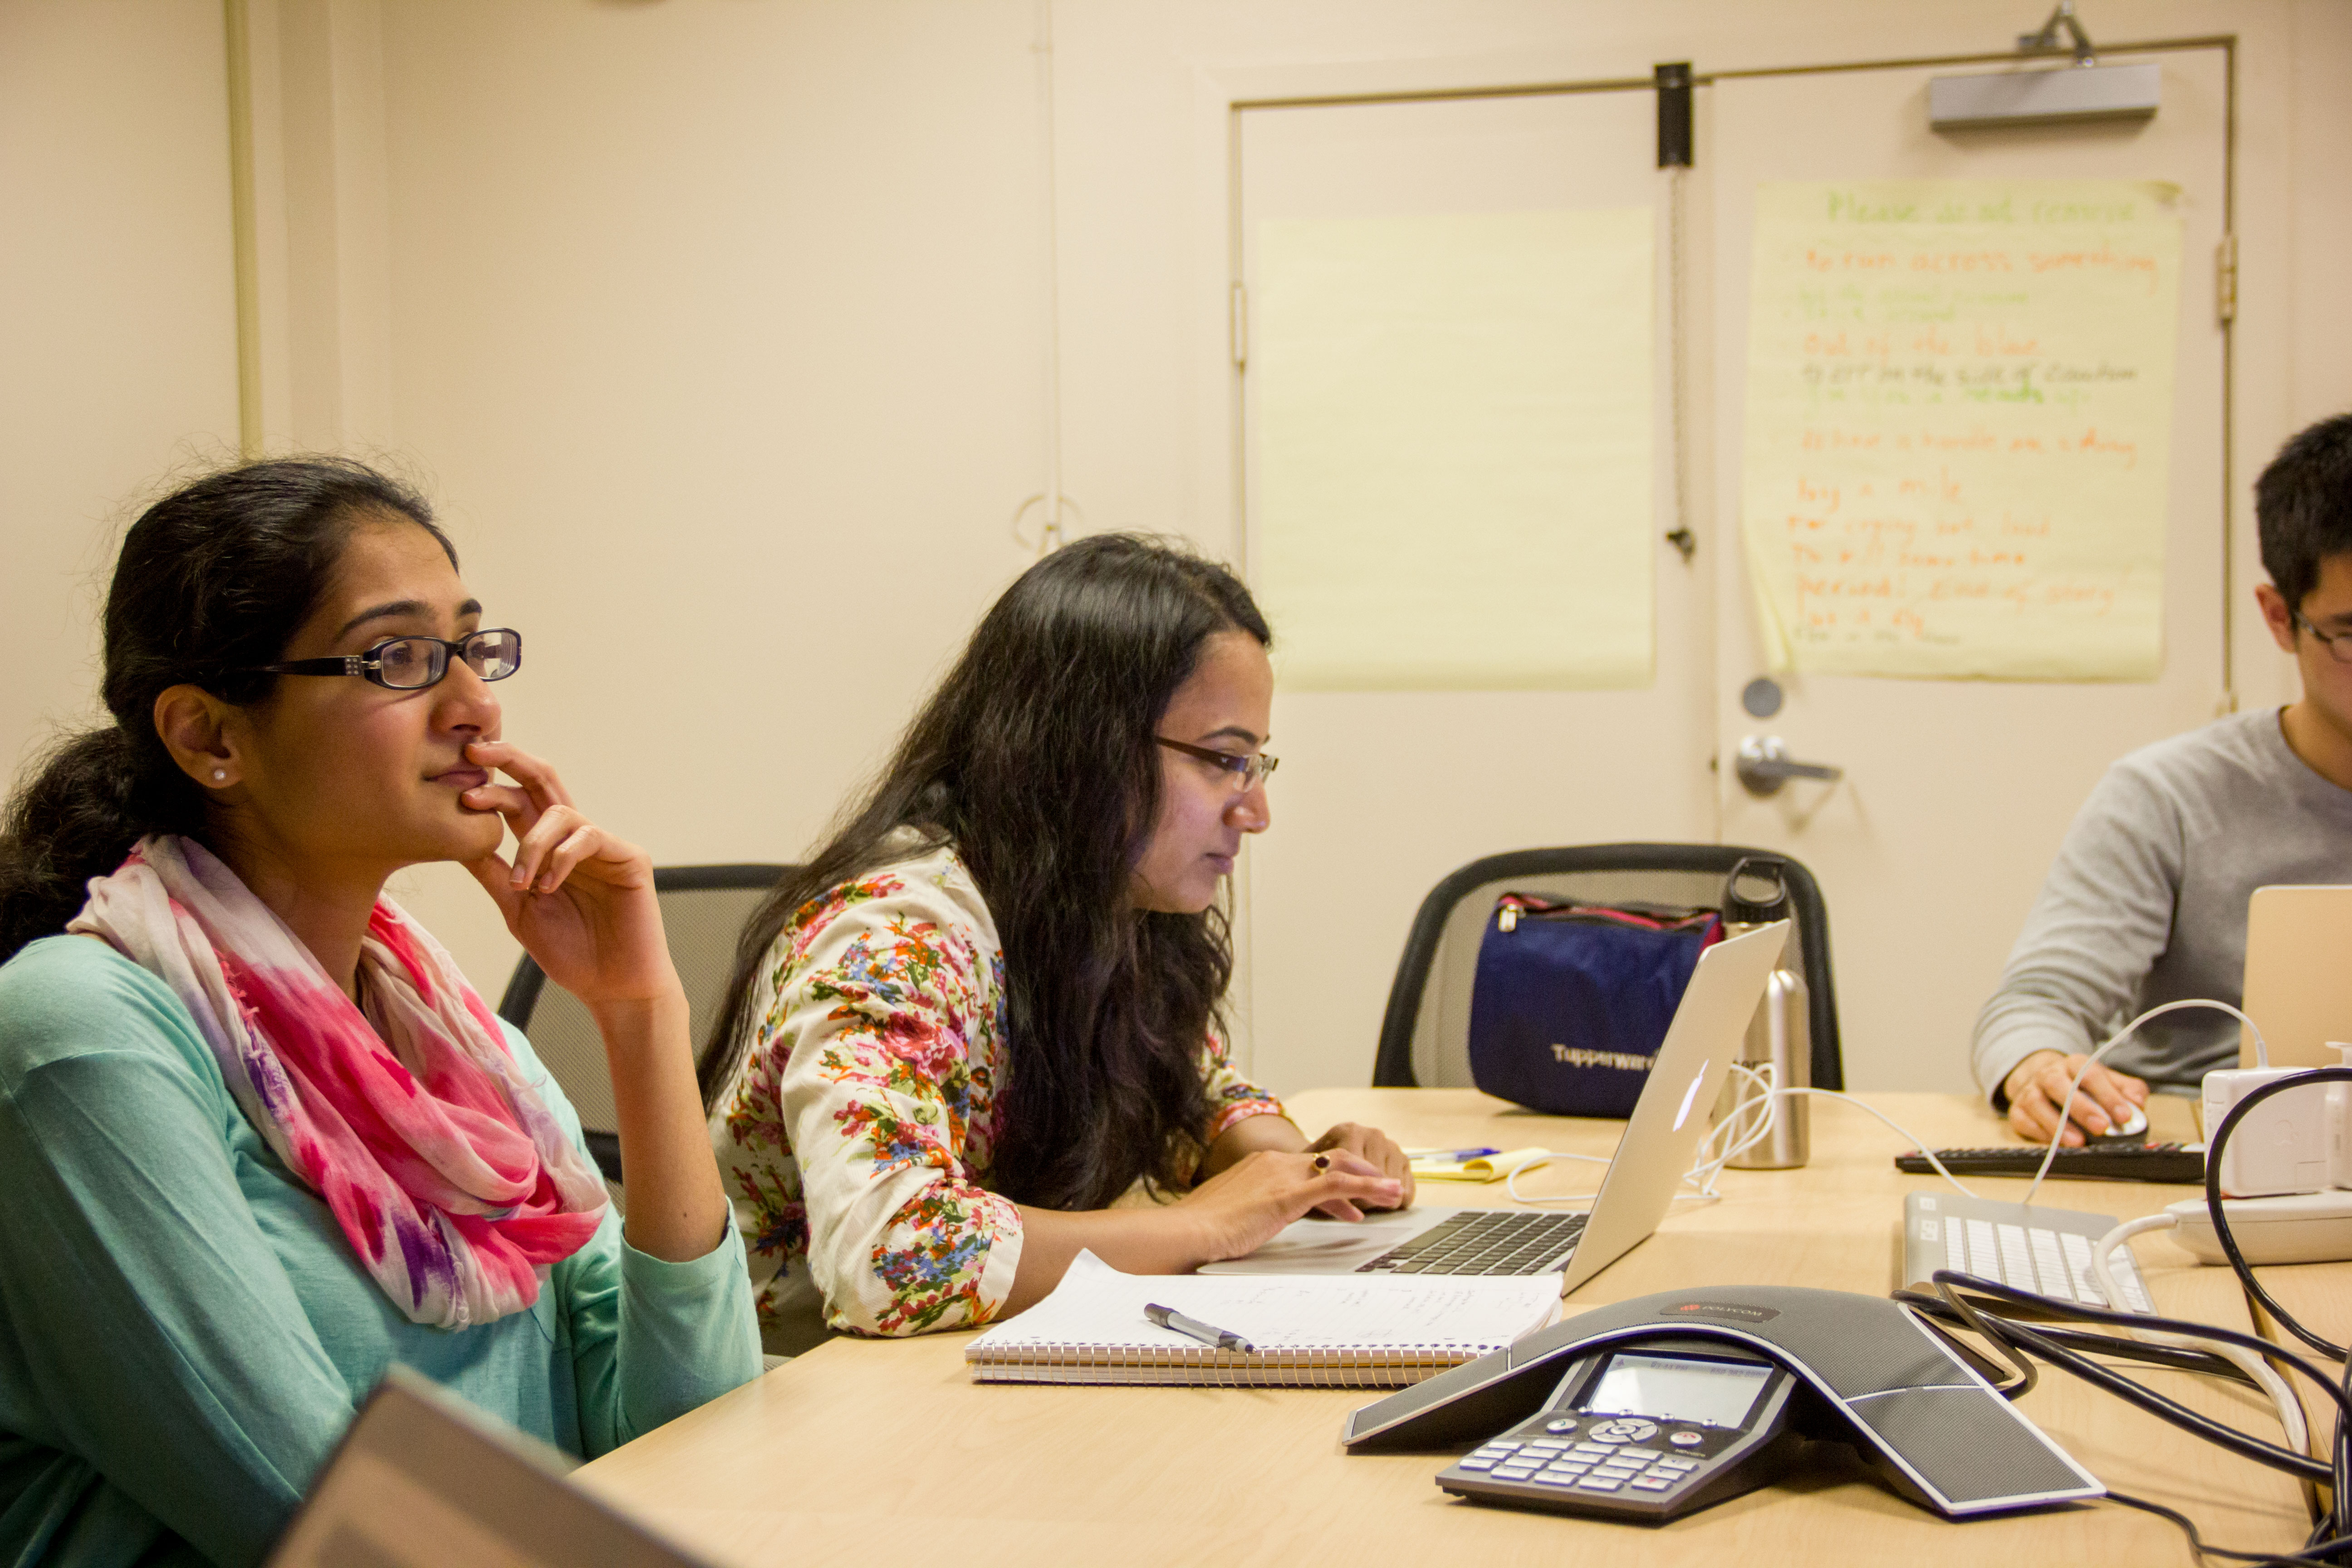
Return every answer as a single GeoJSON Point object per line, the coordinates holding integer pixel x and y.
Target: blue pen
{"type": "Point", "coordinates": [1457, 1155]}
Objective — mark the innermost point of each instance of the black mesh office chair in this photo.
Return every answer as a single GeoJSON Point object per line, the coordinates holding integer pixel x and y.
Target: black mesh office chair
{"type": "Point", "coordinates": [1425, 1035]}
{"type": "Point", "coordinates": [703, 910]}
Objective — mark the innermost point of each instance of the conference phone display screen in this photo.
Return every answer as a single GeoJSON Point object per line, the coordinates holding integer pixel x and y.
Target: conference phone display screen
{"type": "Point", "coordinates": [1716, 1392]}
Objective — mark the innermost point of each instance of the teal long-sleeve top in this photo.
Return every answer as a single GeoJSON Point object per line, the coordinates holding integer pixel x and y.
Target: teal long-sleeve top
{"type": "Point", "coordinates": [184, 1332]}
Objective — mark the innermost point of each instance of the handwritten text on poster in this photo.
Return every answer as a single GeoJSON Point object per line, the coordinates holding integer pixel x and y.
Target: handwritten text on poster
{"type": "Point", "coordinates": [1959, 409]}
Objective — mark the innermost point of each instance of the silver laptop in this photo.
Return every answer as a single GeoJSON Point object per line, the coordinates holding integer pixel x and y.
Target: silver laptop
{"type": "Point", "coordinates": [1660, 1138]}
{"type": "Point", "coordinates": [424, 1480]}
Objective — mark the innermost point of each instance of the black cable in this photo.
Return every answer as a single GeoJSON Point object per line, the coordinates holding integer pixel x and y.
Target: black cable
{"type": "Point", "coordinates": [2340, 1391]}
{"type": "Point", "coordinates": [2243, 1444]}
{"type": "Point", "coordinates": [2173, 1358]}
{"type": "Point", "coordinates": [2340, 1520]}
{"type": "Point", "coordinates": [2246, 1445]}
{"type": "Point", "coordinates": [2197, 1542]}
{"type": "Point", "coordinates": [2026, 1374]}
{"type": "Point", "coordinates": [2213, 1209]}
{"type": "Point", "coordinates": [2340, 1514]}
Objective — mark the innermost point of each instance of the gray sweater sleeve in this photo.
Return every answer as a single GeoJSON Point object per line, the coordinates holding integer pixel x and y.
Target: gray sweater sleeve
{"type": "Point", "coordinates": [2104, 917]}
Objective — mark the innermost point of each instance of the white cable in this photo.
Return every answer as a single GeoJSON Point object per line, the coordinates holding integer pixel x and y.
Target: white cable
{"type": "Point", "coordinates": [2262, 1055]}
{"type": "Point", "coordinates": [2266, 1377]}
{"type": "Point", "coordinates": [1702, 1177]}
{"type": "Point", "coordinates": [1916, 1141]}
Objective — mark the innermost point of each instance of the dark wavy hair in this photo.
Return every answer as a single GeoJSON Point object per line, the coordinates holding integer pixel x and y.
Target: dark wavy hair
{"type": "Point", "coordinates": [214, 579]}
{"type": "Point", "coordinates": [2302, 507]}
{"type": "Point", "coordinates": [1035, 758]}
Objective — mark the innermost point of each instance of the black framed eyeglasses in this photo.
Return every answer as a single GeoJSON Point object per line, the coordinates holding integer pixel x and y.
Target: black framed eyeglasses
{"type": "Point", "coordinates": [412, 664]}
{"type": "Point", "coordinates": [2339, 644]}
{"type": "Point", "coordinates": [1247, 773]}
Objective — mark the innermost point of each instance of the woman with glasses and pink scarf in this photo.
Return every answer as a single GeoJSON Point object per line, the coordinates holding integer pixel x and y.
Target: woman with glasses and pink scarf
{"type": "Point", "coordinates": [259, 1138]}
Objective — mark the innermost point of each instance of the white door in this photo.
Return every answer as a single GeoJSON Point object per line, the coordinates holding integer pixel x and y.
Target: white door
{"type": "Point", "coordinates": [1956, 791]}
{"type": "Point", "coordinates": [1382, 793]}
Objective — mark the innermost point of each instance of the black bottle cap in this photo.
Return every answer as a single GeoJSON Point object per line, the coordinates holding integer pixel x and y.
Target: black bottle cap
{"type": "Point", "coordinates": [1756, 891]}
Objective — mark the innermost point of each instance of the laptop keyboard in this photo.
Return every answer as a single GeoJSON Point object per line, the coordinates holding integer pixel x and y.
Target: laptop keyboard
{"type": "Point", "coordinates": [1486, 1241]}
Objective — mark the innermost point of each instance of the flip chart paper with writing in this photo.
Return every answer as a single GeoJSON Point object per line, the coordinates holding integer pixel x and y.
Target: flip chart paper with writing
{"type": "Point", "coordinates": [1958, 427]}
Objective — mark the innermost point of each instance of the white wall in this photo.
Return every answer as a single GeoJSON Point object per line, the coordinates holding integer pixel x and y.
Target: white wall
{"type": "Point", "coordinates": [118, 357]}
{"type": "Point", "coordinates": [717, 327]}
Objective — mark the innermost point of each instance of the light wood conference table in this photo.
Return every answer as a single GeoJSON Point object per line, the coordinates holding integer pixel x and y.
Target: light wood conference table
{"type": "Point", "coordinates": [868, 1449]}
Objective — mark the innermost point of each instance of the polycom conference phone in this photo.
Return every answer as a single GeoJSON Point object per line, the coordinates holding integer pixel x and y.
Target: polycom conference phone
{"type": "Point", "coordinates": [1650, 1408]}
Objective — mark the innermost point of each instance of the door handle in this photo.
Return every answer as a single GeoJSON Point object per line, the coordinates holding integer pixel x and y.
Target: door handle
{"type": "Point", "coordinates": [1764, 766]}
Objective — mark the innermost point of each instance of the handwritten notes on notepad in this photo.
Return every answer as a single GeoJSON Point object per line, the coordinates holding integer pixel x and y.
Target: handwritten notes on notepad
{"type": "Point", "coordinates": [1451, 484]}
{"type": "Point", "coordinates": [1959, 412]}
{"type": "Point", "coordinates": [1357, 1331]}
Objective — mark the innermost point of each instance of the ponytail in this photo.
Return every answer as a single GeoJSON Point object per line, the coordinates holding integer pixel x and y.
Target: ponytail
{"type": "Point", "coordinates": [212, 579]}
{"type": "Point", "coordinates": [93, 797]}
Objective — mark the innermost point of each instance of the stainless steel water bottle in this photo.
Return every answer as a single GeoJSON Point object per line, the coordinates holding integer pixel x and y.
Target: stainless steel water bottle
{"type": "Point", "coordinates": [1781, 1034]}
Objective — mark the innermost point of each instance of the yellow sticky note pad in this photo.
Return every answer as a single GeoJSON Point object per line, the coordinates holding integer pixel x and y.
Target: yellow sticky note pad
{"type": "Point", "coordinates": [1485, 1168]}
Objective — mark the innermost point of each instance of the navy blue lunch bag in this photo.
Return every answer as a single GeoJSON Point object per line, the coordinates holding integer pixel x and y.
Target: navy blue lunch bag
{"type": "Point", "coordinates": [1571, 1000]}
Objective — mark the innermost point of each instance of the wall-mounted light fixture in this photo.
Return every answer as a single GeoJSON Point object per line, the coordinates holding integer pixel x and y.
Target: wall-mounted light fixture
{"type": "Point", "coordinates": [2046, 94]}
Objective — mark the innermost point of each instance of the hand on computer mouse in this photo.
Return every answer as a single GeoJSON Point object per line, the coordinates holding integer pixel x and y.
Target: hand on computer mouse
{"type": "Point", "coordinates": [2107, 1103]}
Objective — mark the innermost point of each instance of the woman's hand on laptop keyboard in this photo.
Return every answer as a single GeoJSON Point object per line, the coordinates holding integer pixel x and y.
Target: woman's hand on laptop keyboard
{"type": "Point", "coordinates": [1376, 1149]}
{"type": "Point", "coordinates": [1240, 1208]}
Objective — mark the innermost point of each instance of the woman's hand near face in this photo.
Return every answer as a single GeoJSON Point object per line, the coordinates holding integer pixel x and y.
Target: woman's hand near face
{"type": "Point", "coordinates": [581, 903]}
{"type": "Point", "coordinates": [579, 899]}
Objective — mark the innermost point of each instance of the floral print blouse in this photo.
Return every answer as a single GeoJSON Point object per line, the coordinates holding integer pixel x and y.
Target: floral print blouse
{"type": "Point", "coordinates": [858, 1134]}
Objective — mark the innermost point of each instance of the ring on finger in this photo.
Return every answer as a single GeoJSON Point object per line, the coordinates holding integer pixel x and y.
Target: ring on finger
{"type": "Point", "coordinates": [1322, 1163]}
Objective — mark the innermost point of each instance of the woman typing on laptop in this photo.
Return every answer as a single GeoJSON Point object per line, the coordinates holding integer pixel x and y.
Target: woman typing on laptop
{"type": "Point", "coordinates": [987, 1010]}
{"type": "Point", "coordinates": [259, 1138]}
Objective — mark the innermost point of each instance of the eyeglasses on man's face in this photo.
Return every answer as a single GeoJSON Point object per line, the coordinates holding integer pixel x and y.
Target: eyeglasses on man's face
{"type": "Point", "coordinates": [2339, 643]}
{"type": "Point", "coordinates": [412, 664]}
{"type": "Point", "coordinates": [1245, 774]}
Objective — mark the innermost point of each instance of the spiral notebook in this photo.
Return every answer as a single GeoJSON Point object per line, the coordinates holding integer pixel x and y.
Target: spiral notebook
{"type": "Point", "coordinates": [1337, 1330]}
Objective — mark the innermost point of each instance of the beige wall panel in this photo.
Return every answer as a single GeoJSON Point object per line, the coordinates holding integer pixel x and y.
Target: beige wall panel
{"type": "Point", "coordinates": [717, 327]}
{"type": "Point", "coordinates": [119, 339]}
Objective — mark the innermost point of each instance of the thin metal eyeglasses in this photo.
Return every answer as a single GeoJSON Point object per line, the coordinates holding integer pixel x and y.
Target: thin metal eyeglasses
{"type": "Point", "coordinates": [412, 664]}
{"type": "Point", "coordinates": [2339, 644]}
{"type": "Point", "coordinates": [1247, 773]}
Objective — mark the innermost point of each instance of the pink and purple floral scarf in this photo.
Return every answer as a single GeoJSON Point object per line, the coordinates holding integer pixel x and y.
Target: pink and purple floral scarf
{"type": "Point", "coordinates": [452, 1180]}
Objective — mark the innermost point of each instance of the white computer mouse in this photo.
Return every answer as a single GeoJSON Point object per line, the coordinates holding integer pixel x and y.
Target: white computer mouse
{"type": "Point", "coordinates": [2131, 1126]}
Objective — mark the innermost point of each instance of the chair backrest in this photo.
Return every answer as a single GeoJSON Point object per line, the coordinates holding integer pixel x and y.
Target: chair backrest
{"type": "Point", "coordinates": [1425, 1035]}
{"type": "Point", "coordinates": [703, 910]}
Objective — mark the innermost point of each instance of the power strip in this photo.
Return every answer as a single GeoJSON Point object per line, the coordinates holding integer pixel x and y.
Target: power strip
{"type": "Point", "coordinates": [2305, 1227]}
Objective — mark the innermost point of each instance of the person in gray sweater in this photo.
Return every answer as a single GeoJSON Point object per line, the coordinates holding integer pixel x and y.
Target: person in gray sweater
{"type": "Point", "coordinates": [2146, 901]}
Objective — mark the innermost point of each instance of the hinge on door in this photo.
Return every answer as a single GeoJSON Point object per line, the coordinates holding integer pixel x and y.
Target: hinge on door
{"type": "Point", "coordinates": [1241, 327]}
{"type": "Point", "coordinates": [2225, 278]}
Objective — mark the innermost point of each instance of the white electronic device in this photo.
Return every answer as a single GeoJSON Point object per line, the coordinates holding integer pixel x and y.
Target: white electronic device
{"type": "Point", "coordinates": [2283, 1146]}
{"type": "Point", "coordinates": [2303, 1227]}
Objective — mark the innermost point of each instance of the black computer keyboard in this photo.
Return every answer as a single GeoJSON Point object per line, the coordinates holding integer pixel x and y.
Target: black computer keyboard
{"type": "Point", "coordinates": [2126, 1162]}
{"type": "Point", "coordinates": [1486, 1241]}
